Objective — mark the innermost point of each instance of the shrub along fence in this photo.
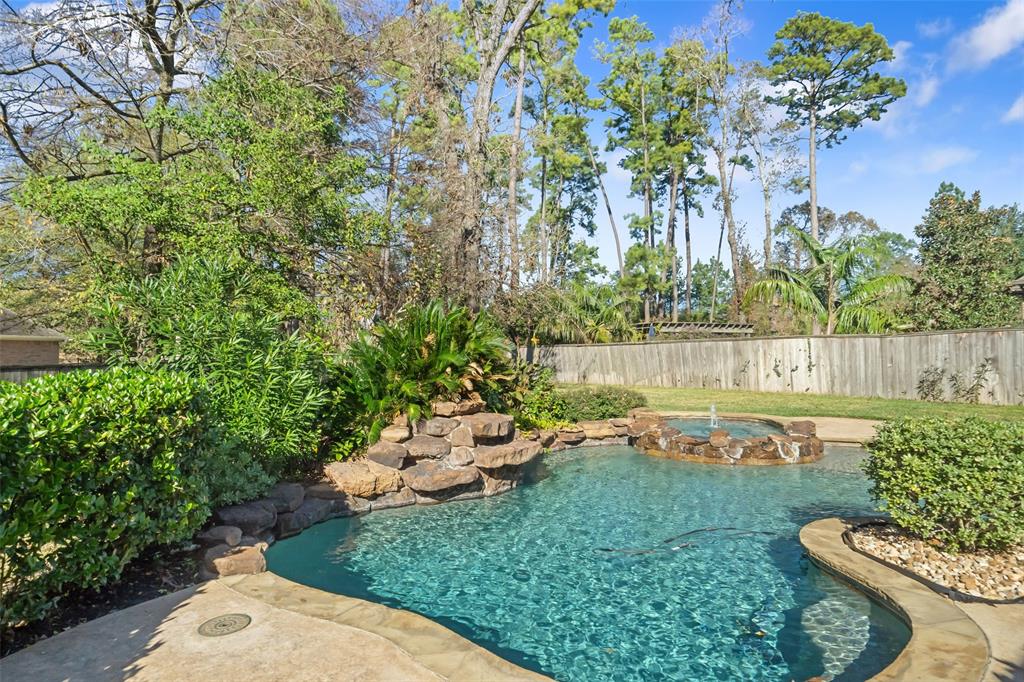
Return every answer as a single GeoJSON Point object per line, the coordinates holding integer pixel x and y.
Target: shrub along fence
{"type": "Point", "coordinates": [982, 365]}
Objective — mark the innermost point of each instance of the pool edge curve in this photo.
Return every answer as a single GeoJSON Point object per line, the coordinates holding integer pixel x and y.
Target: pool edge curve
{"type": "Point", "coordinates": [945, 643]}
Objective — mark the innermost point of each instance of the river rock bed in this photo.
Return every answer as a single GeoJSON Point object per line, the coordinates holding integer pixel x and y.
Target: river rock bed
{"type": "Point", "coordinates": [982, 574]}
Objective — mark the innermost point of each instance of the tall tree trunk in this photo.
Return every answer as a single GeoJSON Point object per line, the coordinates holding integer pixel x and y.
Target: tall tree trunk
{"type": "Point", "coordinates": [670, 238]}
{"type": "Point", "coordinates": [543, 227]}
{"type": "Point", "coordinates": [766, 195]}
{"type": "Point", "coordinates": [730, 223]}
{"type": "Point", "coordinates": [812, 146]}
{"type": "Point", "coordinates": [513, 176]}
{"type": "Point", "coordinates": [689, 249]}
{"type": "Point", "coordinates": [648, 198]}
{"type": "Point", "coordinates": [608, 207]}
{"type": "Point", "coordinates": [714, 276]}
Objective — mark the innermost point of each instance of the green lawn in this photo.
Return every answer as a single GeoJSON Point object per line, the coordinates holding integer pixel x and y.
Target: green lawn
{"type": "Point", "coordinates": [803, 404]}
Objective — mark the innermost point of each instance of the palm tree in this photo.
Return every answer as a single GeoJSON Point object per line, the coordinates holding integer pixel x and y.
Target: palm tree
{"type": "Point", "coordinates": [586, 313]}
{"type": "Point", "coordinates": [829, 290]}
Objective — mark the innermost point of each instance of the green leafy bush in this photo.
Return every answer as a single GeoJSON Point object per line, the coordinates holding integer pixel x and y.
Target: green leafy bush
{"type": "Point", "coordinates": [598, 402]}
{"type": "Point", "coordinates": [957, 481]}
{"type": "Point", "coordinates": [430, 352]}
{"type": "Point", "coordinates": [94, 467]}
{"type": "Point", "coordinates": [529, 395]}
{"type": "Point", "coordinates": [222, 321]}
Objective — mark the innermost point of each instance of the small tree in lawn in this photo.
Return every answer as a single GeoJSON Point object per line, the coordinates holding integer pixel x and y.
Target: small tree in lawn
{"type": "Point", "coordinates": [826, 65]}
{"type": "Point", "coordinates": [829, 290]}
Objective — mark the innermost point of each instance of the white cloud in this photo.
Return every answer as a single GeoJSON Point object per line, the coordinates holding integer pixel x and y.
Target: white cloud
{"type": "Point", "coordinates": [926, 90]}
{"type": "Point", "coordinates": [941, 158]}
{"type": "Point", "coordinates": [935, 28]}
{"type": "Point", "coordinates": [1015, 112]}
{"type": "Point", "coordinates": [857, 168]}
{"type": "Point", "coordinates": [999, 33]}
{"type": "Point", "coordinates": [615, 171]}
{"type": "Point", "coordinates": [899, 54]}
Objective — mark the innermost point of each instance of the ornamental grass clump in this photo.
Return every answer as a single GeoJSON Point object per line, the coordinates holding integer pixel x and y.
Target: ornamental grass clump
{"type": "Point", "coordinates": [95, 466]}
{"type": "Point", "coordinates": [956, 482]}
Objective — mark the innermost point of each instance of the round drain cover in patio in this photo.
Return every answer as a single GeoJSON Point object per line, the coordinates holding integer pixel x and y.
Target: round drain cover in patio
{"type": "Point", "coordinates": [224, 625]}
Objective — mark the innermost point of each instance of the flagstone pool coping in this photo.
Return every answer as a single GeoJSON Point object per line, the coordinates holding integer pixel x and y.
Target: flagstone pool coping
{"type": "Point", "coordinates": [945, 643]}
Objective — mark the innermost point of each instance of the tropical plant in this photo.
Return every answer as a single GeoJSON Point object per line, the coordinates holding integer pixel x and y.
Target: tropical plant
{"type": "Point", "coordinates": [958, 482]}
{"type": "Point", "coordinates": [587, 313]}
{"type": "Point", "coordinates": [430, 352]}
{"type": "Point", "coordinates": [95, 466]}
{"type": "Point", "coordinates": [828, 290]}
{"type": "Point", "coordinates": [223, 321]}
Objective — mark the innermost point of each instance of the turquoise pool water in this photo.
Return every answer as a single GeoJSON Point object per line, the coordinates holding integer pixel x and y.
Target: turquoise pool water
{"type": "Point", "coordinates": [737, 428]}
{"type": "Point", "coordinates": [525, 574]}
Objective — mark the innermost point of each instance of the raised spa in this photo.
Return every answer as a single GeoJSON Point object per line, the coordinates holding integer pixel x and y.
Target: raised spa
{"type": "Point", "coordinates": [612, 565]}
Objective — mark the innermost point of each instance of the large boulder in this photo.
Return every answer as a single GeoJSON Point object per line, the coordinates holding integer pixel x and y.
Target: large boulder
{"type": "Point", "coordinates": [446, 408]}
{"type": "Point", "coordinates": [313, 510]}
{"type": "Point", "coordinates": [431, 476]}
{"type": "Point", "coordinates": [396, 433]}
{"type": "Point", "coordinates": [364, 478]}
{"type": "Point", "coordinates": [719, 438]}
{"type": "Point", "coordinates": [489, 425]}
{"type": "Point", "coordinates": [462, 436]}
{"type": "Point", "coordinates": [460, 456]}
{"type": "Point", "coordinates": [438, 426]}
{"type": "Point", "coordinates": [387, 453]}
{"type": "Point", "coordinates": [222, 560]}
{"type": "Point", "coordinates": [431, 447]}
{"type": "Point", "coordinates": [642, 425]}
{"type": "Point", "coordinates": [286, 497]}
{"type": "Point", "coordinates": [515, 453]}
{"type": "Point", "coordinates": [801, 428]}
{"type": "Point", "coordinates": [251, 517]}
{"type": "Point", "coordinates": [220, 535]}
{"type": "Point", "coordinates": [500, 480]}
{"type": "Point", "coordinates": [598, 429]}
{"type": "Point", "coordinates": [571, 435]}
{"type": "Point", "coordinates": [402, 498]}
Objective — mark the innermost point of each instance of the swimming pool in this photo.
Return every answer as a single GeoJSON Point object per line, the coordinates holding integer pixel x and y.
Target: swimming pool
{"type": "Point", "coordinates": [571, 575]}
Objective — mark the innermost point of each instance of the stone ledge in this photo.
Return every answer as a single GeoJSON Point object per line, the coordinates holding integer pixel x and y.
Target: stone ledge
{"type": "Point", "coordinates": [945, 644]}
{"type": "Point", "coordinates": [428, 643]}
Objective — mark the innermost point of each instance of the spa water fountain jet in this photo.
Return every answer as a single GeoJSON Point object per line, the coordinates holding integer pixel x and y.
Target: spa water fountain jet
{"type": "Point", "coordinates": [714, 417]}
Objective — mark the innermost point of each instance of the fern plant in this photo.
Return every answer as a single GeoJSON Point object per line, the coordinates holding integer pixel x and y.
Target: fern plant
{"type": "Point", "coordinates": [430, 352]}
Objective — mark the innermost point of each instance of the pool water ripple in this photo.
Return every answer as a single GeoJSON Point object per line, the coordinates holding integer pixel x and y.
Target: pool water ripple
{"type": "Point", "coordinates": [523, 574]}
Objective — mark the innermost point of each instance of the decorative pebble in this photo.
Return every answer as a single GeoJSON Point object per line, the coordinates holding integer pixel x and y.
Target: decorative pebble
{"type": "Point", "coordinates": [982, 574]}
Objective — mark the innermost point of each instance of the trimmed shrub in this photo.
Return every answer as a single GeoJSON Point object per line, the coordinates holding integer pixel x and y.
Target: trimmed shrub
{"type": "Point", "coordinates": [959, 482]}
{"type": "Point", "coordinates": [94, 467]}
{"type": "Point", "coordinates": [598, 402]}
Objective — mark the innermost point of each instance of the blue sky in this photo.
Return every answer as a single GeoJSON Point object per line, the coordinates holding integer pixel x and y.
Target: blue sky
{"type": "Point", "coordinates": [961, 121]}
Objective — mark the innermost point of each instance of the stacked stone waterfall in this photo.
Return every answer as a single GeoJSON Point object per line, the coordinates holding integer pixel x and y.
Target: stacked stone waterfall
{"type": "Point", "coordinates": [460, 453]}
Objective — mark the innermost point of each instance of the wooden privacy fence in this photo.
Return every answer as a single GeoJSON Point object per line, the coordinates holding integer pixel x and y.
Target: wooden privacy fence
{"type": "Point", "coordinates": [947, 365]}
{"type": "Point", "coordinates": [20, 375]}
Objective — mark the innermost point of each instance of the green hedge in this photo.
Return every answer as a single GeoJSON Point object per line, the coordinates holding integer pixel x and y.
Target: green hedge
{"type": "Point", "coordinates": [94, 467]}
{"type": "Point", "coordinates": [598, 402]}
{"type": "Point", "coordinates": [959, 482]}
